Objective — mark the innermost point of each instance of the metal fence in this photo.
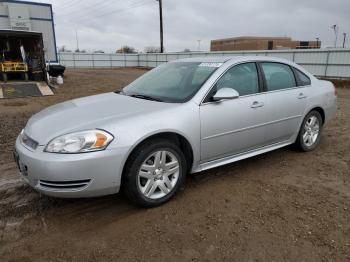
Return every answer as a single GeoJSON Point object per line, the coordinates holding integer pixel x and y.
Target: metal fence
{"type": "Point", "coordinates": [333, 63]}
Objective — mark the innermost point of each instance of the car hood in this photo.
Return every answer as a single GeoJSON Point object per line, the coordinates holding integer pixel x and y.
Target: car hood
{"type": "Point", "coordinates": [87, 113]}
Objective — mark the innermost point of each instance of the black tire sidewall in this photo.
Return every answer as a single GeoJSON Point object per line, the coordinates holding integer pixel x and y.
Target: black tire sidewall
{"type": "Point", "coordinates": [130, 180]}
{"type": "Point", "coordinates": [4, 77]}
{"type": "Point", "coordinates": [300, 140]}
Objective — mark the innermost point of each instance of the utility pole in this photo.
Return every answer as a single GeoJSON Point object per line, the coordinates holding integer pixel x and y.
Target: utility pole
{"type": "Point", "coordinates": [317, 42]}
{"type": "Point", "coordinates": [161, 25]}
{"type": "Point", "coordinates": [76, 37]}
{"type": "Point", "coordinates": [344, 40]}
{"type": "Point", "coordinates": [336, 30]}
{"type": "Point", "coordinates": [199, 45]}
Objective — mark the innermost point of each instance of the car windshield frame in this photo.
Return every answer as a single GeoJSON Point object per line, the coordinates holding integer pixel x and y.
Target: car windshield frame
{"type": "Point", "coordinates": [183, 74]}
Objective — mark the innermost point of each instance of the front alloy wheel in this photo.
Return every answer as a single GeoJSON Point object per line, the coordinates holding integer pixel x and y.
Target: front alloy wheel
{"type": "Point", "coordinates": [158, 174]}
{"type": "Point", "coordinates": [154, 172]}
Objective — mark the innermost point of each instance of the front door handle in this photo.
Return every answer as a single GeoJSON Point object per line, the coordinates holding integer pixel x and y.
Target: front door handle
{"type": "Point", "coordinates": [257, 104]}
{"type": "Point", "coordinates": [302, 96]}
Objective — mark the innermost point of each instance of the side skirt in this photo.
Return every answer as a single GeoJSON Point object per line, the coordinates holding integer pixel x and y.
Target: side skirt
{"type": "Point", "coordinates": [237, 157]}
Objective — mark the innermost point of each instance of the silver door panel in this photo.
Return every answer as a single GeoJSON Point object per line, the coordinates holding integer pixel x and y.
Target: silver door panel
{"type": "Point", "coordinates": [284, 111]}
{"type": "Point", "coordinates": [232, 126]}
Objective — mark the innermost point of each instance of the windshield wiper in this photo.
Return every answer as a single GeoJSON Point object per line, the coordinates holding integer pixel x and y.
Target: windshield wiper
{"type": "Point", "coordinates": [146, 97]}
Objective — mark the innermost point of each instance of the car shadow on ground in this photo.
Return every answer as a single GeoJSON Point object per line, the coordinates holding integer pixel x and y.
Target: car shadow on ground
{"type": "Point", "coordinates": [118, 205]}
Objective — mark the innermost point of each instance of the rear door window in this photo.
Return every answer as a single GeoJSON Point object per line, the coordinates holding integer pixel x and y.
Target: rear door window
{"type": "Point", "coordinates": [278, 76]}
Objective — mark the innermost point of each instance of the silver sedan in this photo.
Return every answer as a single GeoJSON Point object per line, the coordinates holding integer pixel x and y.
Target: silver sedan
{"type": "Point", "coordinates": [182, 117]}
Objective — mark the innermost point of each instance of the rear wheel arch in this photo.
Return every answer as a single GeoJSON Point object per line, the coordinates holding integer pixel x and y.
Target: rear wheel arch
{"type": "Point", "coordinates": [321, 111]}
{"type": "Point", "coordinates": [309, 134]}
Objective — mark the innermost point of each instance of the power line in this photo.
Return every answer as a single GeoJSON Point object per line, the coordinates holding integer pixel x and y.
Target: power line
{"type": "Point", "coordinates": [132, 6]}
{"type": "Point", "coordinates": [68, 4]}
{"type": "Point", "coordinates": [83, 17]}
{"type": "Point", "coordinates": [86, 8]}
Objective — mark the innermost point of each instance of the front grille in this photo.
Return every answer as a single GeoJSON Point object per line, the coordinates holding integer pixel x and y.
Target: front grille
{"type": "Point", "coordinates": [26, 140]}
{"type": "Point", "coordinates": [62, 185]}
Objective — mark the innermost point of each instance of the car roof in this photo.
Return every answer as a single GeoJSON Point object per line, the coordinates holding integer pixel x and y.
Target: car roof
{"type": "Point", "coordinates": [223, 59]}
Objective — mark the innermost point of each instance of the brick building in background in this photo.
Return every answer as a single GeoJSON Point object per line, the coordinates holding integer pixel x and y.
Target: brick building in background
{"type": "Point", "coordinates": [260, 43]}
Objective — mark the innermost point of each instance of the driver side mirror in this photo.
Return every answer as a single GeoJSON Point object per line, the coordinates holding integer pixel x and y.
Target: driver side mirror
{"type": "Point", "coordinates": [225, 93]}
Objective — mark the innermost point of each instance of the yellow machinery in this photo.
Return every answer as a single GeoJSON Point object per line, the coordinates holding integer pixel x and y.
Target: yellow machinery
{"type": "Point", "coordinates": [13, 67]}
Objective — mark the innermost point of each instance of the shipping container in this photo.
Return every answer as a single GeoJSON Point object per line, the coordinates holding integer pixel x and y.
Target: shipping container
{"type": "Point", "coordinates": [31, 17]}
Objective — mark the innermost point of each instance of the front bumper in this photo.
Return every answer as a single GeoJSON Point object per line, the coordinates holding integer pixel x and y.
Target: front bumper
{"type": "Point", "coordinates": [71, 175]}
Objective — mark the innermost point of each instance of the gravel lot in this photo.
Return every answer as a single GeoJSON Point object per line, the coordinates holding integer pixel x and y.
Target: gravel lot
{"type": "Point", "coordinates": [280, 206]}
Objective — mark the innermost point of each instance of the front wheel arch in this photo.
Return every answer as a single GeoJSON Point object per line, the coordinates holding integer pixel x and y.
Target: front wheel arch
{"type": "Point", "coordinates": [131, 172]}
{"type": "Point", "coordinates": [176, 138]}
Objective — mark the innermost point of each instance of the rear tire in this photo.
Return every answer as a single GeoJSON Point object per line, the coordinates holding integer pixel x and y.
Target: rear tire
{"type": "Point", "coordinates": [154, 172]}
{"type": "Point", "coordinates": [26, 77]}
{"type": "Point", "coordinates": [310, 132]}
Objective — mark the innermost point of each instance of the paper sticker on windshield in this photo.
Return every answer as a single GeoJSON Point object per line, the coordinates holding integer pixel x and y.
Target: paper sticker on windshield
{"type": "Point", "coordinates": [211, 64]}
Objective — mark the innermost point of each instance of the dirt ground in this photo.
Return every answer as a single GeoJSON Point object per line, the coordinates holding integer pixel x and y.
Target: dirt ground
{"type": "Point", "coordinates": [280, 206]}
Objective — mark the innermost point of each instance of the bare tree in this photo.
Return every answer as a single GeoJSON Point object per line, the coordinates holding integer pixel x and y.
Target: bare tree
{"type": "Point", "coordinates": [152, 49]}
{"type": "Point", "coordinates": [79, 51]}
{"type": "Point", "coordinates": [62, 49]}
{"type": "Point", "coordinates": [126, 49]}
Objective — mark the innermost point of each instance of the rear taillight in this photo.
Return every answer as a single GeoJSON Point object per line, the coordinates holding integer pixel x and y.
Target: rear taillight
{"type": "Point", "coordinates": [334, 90]}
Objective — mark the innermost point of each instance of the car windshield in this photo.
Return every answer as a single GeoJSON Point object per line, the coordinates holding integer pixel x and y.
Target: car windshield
{"type": "Point", "coordinates": [175, 82]}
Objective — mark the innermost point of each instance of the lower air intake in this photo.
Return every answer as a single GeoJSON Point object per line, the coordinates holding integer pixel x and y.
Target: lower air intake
{"type": "Point", "coordinates": [64, 185]}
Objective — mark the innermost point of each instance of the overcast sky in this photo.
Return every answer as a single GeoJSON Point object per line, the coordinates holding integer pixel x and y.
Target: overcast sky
{"type": "Point", "coordinates": [109, 24]}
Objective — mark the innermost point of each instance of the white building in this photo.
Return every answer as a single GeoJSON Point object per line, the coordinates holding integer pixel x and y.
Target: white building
{"type": "Point", "coordinates": [31, 17]}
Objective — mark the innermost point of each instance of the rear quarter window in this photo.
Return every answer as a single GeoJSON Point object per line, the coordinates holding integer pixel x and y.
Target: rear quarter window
{"type": "Point", "coordinates": [303, 80]}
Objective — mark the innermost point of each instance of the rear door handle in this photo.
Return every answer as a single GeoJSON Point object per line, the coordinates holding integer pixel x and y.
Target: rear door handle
{"type": "Point", "coordinates": [257, 104]}
{"type": "Point", "coordinates": [302, 96]}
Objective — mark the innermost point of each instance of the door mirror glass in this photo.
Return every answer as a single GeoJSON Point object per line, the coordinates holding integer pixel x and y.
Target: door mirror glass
{"type": "Point", "coordinates": [225, 93]}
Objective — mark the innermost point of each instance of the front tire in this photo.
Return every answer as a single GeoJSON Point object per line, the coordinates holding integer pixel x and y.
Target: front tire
{"type": "Point", "coordinates": [310, 132]}
{"type": "Point", "coordinates": [4, 77]}
{"type": "Point", "coordinates": [154, 172]}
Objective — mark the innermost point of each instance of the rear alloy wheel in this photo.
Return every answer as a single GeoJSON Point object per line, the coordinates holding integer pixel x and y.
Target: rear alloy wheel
{"type": "Point", "coordinates": [310, 132]}
{"type": "Point", "coordinates": [154, 173]}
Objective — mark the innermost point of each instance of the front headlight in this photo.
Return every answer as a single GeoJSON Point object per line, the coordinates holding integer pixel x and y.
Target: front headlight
{"type": "Point", "coordinates": [80, 142]}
